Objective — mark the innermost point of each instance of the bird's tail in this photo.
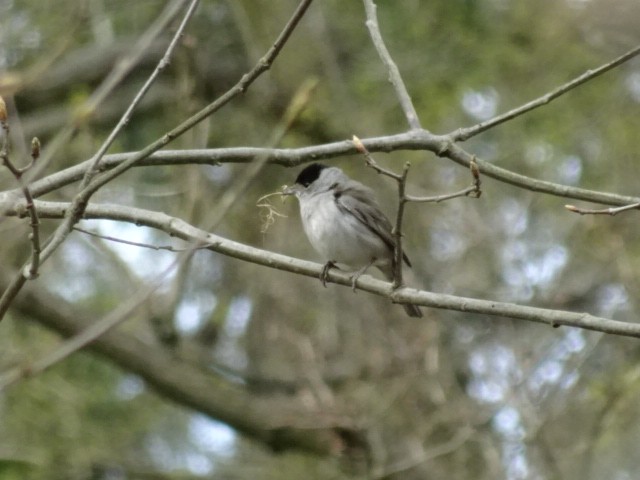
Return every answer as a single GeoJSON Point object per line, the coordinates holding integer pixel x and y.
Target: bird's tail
{"type": "Point", "coordinates": [412, 310]}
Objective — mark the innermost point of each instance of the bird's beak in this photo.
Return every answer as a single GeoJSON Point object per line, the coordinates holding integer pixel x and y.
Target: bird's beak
{"type": "Point", "coordinates": [292, 189]}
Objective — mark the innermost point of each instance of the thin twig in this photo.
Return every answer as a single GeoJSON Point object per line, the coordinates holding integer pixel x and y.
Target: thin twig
{"type": "Point", "coordinates": [466, 133]}
{"type": "Point", "coordinates": [31, 270]}
{"type": "Point", "coordinates": [108, 85]}
{"type": "Point", "coordinates": [397, 229]}
{"type": "Point", "coordinates": [471, 191]}
{"type": "Point", "coordinates": [441, 198]}
{"type": "Point", "coordinates": [74, 213]}
{"type": "Point", "coordinates": [402, 199]}
{"type": "Point", "coordinates": [126, 116]}
{"type": "Point", "coordinates": [86, 189]}
{"type": "Point", "coordinates": [34, 264]}
{"type": "Point", "coordinates": [298, 103]}
{"type": "Point", "coordinates": [371, 162]}
{"type": "Point", "coordinates": [394, 74]}
{"type": "Point", "coordinates": [605, 211]}
{"type": "Point", "coordinates": [450, 446]}
{"type": "Point", "coordinates": [109, 238]}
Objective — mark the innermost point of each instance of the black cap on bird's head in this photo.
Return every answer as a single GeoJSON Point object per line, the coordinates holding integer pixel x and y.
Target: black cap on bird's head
{"type": "Point", "coordinates": [310, 174]}
{"type": "Point", "coordinates": [305, 178]}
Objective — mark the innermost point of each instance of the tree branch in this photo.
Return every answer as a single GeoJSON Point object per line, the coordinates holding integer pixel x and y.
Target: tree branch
{"type": "Point", "coordinates": [413, 140]}
{"type": "Point", "coordinates": [31, 270]}
{"type": "Point", "coordinates": [162, 64]}
{"type": "Point", "coordinates": [394, 74]}
{"type": "Point", "coordinates": [74, 213]}
{"type": "Point", "coordinates": [397, 229]}
{"type": "Point", "coordinates": [401, 180]}
{"type": "Point", "coordinates": [131, 56]}
{"type": "Point", "coordinates": [472, 190]}
{"type": "Point", "coordinates": [604, 211]}
{"type": "Point", "coordinates": [463, 134]}
{"type": "Point", "coordinates": [87, 187]}
{"type": "Point", "coordinates": [181, 229]}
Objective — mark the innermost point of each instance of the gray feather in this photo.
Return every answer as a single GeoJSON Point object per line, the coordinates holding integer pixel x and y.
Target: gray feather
{"type": "Point", "coordinates": [355, 199]}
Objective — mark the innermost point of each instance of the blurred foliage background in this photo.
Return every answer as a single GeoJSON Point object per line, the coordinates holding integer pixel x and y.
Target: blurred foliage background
{"type": "Point", "coordinates": [449, 396]}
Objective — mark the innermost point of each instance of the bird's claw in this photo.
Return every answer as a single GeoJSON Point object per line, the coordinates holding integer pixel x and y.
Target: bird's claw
{"type": "Point", "coordinates": [358, 274]}
{"type": "Point", "coordinates": [354, 280]}
{"type": "Point", "coordinates": [325, 271]}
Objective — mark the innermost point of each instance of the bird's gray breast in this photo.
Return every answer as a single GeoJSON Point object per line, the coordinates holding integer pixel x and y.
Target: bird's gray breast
{"type": "Point", "coordinates": [338, 235]}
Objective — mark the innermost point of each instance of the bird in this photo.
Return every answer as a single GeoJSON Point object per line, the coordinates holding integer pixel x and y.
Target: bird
{"type": "Point", "coordinates": [344, 223]}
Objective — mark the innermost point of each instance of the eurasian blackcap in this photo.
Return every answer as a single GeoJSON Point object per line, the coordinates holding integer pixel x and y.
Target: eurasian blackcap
{"type": "Point", "coordinates": [344, 223]}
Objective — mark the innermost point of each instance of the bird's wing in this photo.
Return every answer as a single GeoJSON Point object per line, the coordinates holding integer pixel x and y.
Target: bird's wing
{"type": "Point", "coordinates": [355, 199]}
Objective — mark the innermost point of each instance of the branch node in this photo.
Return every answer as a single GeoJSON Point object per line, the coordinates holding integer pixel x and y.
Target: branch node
{"type": "Point", "coordinates": [370, 161]}
{"type": "Point", "coordinates": [444, 148]}
{"type": "Point", "coordinates": [30, 272]}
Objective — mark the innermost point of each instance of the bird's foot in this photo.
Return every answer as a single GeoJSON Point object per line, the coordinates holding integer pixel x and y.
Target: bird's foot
{"type": "Point", "coordinates": [325, 271]}
{"type": "Point", "coordinates": [358, 274]}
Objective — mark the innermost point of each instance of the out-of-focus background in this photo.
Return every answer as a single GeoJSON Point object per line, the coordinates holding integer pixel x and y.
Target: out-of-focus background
{"type": "Point", "coordinates": [450, 396]}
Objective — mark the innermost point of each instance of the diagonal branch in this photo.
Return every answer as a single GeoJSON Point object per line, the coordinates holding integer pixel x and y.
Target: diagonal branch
{"type": "Point", "coordinates": [86, 186]}
{"type": "Point", "coordinates": [108, 85]}
{"type": "Point", "coordinates": [109, 238]}
{"type": "Point", "coordinates": [247, 79]}
{"type": "Point", "coordinates": [126, 116]}
{"type": "Point", "coordinates": [394, 74]}
{"type": "Point", "coordinates": [463, 134]}
{"type": "Point", "coordinates": [74, 213]}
